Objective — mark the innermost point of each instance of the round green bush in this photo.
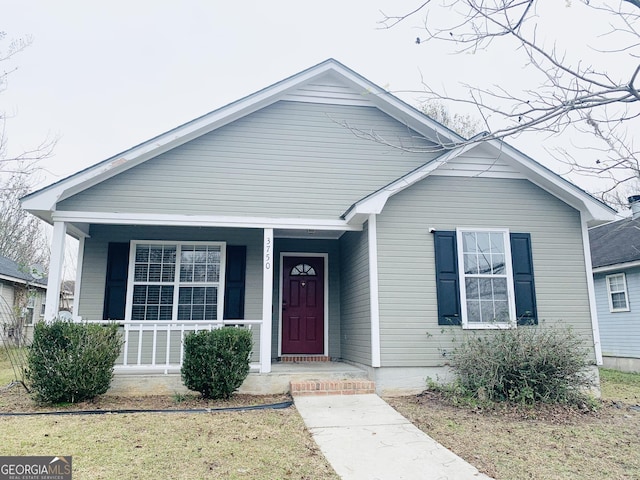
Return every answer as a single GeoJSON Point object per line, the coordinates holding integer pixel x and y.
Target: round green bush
{"type": "Point", "coordinates": [71, 362]}
{"type": "Point", "coordinates": [216, 362]}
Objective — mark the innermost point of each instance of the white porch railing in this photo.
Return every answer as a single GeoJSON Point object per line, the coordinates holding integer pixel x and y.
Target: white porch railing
{"type": "Point", "coordinates": [158, 346]}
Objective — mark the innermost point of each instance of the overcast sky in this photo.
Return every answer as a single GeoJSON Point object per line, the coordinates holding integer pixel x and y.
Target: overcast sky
{"type": "Point", "coordinates": [104, 76]}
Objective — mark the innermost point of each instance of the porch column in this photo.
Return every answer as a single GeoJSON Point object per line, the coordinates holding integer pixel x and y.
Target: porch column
{"type": "Point", "coordinates": [267, 302]}
{"type": "Point", "coordinates": [373, 290]}
{"type": "Point", "coordinates": [54, 283]}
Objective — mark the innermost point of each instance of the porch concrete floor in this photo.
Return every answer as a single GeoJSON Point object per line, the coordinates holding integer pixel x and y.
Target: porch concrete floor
{"type": "Point", "coordinates": [276, 382]}
{"type": "Point", "coordinates": [329, 368]}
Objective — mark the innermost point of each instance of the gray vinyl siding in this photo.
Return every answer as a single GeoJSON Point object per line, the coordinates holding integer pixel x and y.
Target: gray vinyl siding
{"type": "Point", "coordinates": [619, 331]}
{"type": "Point", "coordinates": [355, 299]}
{"type": "Point", "coordinates": [94, 265]}
{"type": "Point", "coordinates": [331, 248]}
{"type": "Point", "coordinates": [409, 330]}
{"type": "Point", "coordinates": [290, 159]}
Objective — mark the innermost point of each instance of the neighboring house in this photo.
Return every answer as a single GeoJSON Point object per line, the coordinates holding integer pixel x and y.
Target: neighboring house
{"type": "Point", "coordinates": [66, 295]}
{"type": "Point", "coordinates": [615, 254]}
{"type": "Point", "coordinates": [22, 300]}
{"type": "Point", "coordinates": [320, 213]}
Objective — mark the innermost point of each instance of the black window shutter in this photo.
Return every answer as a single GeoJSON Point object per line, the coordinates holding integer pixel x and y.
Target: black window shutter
{"type": "Point", "coordinates": [448, 288]}
{"type": "Point", "coordinates": [523, 282]}
{"type": "Point", "coordinates": [235, 282]}
{"type": "Point", "coordinates": [115, 292]}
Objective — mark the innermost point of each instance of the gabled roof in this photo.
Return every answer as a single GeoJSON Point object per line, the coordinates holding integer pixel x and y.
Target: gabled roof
{"type": "Point", "coordinates": [355, 90]}
{"type": "Point", "coordinates": [10, 270]}
{"type": "Point", "coordinates": [361, 90]}
{"type": "Point", "coordinates": [616, 244]}
{"type": "Point", "coordinates": [595, 211]}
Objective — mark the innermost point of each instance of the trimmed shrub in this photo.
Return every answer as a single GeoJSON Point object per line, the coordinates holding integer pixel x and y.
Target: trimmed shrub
{"type": "Point", "coordinates": [71, 362]}
{"type": "Point", "coordinates": [523, 365]}
{"type": "Point", "coordinates": [216, 362]}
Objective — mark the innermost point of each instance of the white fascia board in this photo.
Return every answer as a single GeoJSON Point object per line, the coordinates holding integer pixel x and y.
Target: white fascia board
{"type": "Point", "coordinates": [374, 203]}
{"type": "Point", "coordinates": [617, 267]}
{"type": "Point", "coordinates": [594, 212]}
{"type": "Point", "coordinates": [399, 110]}
{"type": "Point", "coordinates": [21, 281]}
{"type": "Point", "coordinates": [202, 221]}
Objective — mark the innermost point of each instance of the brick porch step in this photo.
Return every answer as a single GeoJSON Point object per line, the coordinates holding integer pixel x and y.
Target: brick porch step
{"type": "Point", "coordinates": [352, 386]}
{"type": "Point", "coordinates": [304, 358]}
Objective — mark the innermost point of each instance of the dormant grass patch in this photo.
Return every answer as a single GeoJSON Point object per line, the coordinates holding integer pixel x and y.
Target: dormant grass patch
{"type": "Point", "coordinates": [543, 442]}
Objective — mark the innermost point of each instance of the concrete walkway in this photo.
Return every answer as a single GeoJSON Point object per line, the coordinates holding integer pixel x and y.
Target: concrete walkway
{"type": "Point", "coordinates": [365, 439]}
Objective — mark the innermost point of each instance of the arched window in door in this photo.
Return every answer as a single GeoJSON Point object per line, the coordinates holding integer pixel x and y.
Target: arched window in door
{"type": "Point", "coordinates": [303, 269]}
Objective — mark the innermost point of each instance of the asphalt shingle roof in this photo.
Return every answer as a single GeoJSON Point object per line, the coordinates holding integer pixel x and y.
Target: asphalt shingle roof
{"type": "Point", "coordinates": [9, 268]}
{"type": "Point", "coordinates": [615, 242]}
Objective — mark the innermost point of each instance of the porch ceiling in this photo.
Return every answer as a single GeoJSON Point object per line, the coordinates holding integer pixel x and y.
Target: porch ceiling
{"type": "Point", "coordinates": [308, 233]}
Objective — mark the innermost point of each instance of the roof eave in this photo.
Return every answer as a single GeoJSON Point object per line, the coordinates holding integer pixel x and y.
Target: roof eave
{"type": "Point", "coordinates": [593, 210]}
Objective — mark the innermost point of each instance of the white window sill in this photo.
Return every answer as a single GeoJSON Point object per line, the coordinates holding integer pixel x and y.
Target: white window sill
{"type": "Point", "coordinates": [489, 326]}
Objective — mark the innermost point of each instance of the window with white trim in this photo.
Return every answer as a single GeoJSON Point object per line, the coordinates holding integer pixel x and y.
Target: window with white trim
{"type": "Point", "coordinates": [176, 281]}
{"type": "Point", "coordinates": [486, 278]}
{"type": "Point", "coordinates": [617, 293]}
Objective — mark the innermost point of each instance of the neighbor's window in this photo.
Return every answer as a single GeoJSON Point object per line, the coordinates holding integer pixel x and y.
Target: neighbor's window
{"type": "Point", "coordinates": [617, 289]}
{"type": "Point", "coordinates": [176, 281]}
{"type": "Point", "coordinates": [486, 280]}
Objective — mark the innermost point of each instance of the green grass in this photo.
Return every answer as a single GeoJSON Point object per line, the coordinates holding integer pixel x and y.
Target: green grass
{"type": "Point", "coordinates": [620, 386]}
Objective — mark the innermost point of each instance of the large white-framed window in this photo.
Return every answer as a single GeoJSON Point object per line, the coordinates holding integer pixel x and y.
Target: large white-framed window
{"type": "Point", "coordinates": [176, 281]}
{"type": "Point", "coordinates": [617, 292]}
{"type": "Point", "coordinates": [486, 278]}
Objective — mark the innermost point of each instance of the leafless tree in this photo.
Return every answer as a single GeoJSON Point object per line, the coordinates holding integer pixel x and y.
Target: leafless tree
{"type": "Point", "coordinates": [22, 237]}
{"type": "Point", "coordinates": [600, 101]}
{"type": "Point", "coordinates": [464, 125]}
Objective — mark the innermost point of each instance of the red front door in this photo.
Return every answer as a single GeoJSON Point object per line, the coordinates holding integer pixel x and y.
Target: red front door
{"type": "Point", "coordinates": [303, 305]}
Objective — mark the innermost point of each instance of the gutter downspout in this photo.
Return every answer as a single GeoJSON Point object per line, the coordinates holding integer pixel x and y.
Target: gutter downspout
{"type": "Point", "coordinates": [591, 291]}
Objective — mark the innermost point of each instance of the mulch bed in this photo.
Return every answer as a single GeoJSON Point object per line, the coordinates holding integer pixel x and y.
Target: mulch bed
{"type": "Point", "coordinates": [14, 399]}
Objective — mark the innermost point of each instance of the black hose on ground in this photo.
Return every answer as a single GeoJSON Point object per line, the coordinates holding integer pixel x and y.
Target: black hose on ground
{"type": "Point", "coordinates": [270, 406]}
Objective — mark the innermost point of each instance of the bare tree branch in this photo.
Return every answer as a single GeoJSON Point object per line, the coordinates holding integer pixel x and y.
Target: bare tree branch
{"type": "Point", "coordinates": [571, 95]}
{"type": "Point", "coordinates": [22, 236]}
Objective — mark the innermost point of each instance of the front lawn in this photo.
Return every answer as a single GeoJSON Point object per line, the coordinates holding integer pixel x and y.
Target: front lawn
{"type": "Point", "coordinates": [514, 443]}
{"type": "Point", "coordinates": [260, 444]}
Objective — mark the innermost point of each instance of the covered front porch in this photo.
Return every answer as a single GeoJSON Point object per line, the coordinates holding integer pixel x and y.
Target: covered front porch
{"type": "Point", "coordinates": [283, 378]}
{"type": "Point", "coordinates": [251, 273]}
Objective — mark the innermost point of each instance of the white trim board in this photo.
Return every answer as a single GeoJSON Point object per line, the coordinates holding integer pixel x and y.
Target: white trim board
{"type": "Point", "coordinates": [617, 267]}
{"type": "Point", "coordinates": [203, 221]}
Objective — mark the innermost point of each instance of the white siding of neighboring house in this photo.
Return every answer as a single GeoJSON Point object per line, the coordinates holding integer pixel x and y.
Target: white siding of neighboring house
{"type": "Point", "coordinates": [619, 331]}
